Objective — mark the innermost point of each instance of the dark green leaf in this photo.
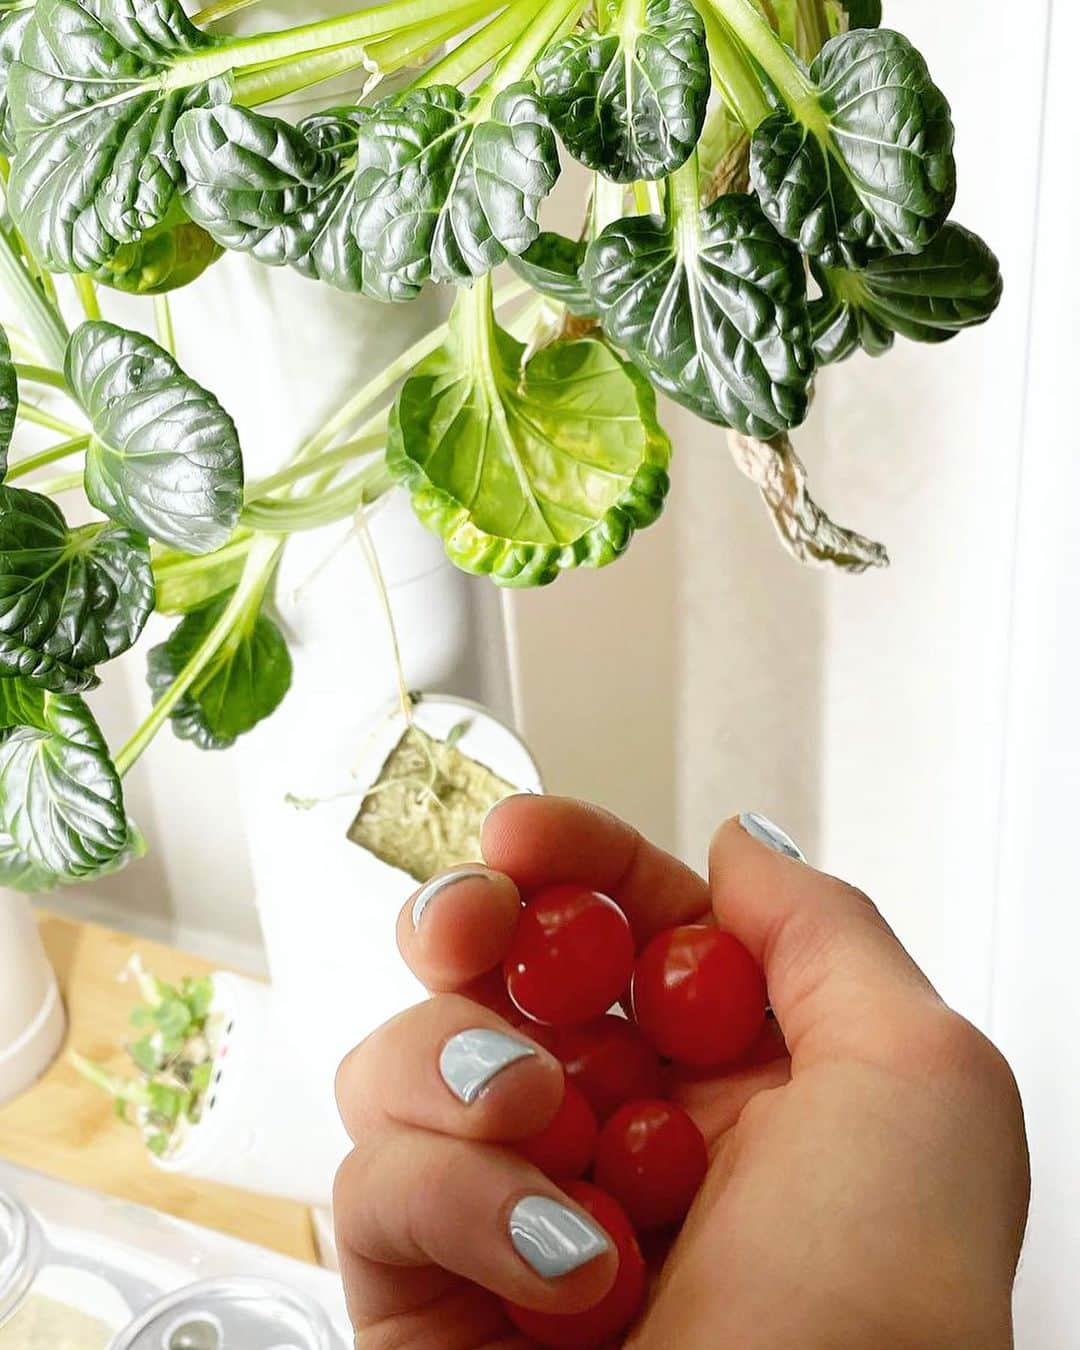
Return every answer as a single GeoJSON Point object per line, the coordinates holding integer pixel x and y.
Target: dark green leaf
{"type": "Point", "coordinates": [69, 599]}
{"type": "Point", "coordinates": [281, 193]}
{"type": "Point", "coordinates": [164, 458]}
{"type": "Point", "coordinates": [445, 192]}
{"type": "Point", "coordinates": [244, 682]}
{"type": "Point", "coordinates": [61, 806]}
{"type": "Point", "coordinates": [713, 310]}
{"type": "Point", "coordinates": [867, 166]}
{"type": "Point", "coordinates": [630, 101]}
{"type": "Point", "coordinates": [928, 297]}
{"type": "Point", "coordinates": [9, 401]}
{"type": "Point", "coordinates": [12, 27]}
{"type": "Point", "coordinates": [862, 13]}
{"type": "Point", "coordinates": [551, 265]}
{"type": "Point", "coordinates": [94, 113]}
{"type": "Point", "coordinates": [527, 472]}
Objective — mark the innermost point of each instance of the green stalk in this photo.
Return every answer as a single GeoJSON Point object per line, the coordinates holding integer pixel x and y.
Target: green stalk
{"type": "Point", "coordinates": [163, 324]}
{"type": "Point", "coordinates": [483, 46]}
{"type": "Point", "coordinates": [31, 374]}
{"type": "Point", "coordinates": [88, 297]}
{"type": "Point", "coordinates": [752, 29]}
{"type": "Point", "coordinates": [74, 446]}
{"type": "Point", "coordinates": [344, 454]}
{"type": "Point", "coordinates": [608, 203]}
{"type": "Point", "coordinates": [412, 45]}
{"type": "Point", "coordinates": [684, 206]}
{"type": "Point", "coordinates": [42, 319]}
{"type": "Point", "coordinates": [221, 10]}
{"type": "Point", "coordinates": [550, 19]}
{"type": "Point", "coordinates": [64, 482]}
{"type": "Point", "coordinates": [286, 46]}
{"type": "Point", "coordinates": [733, 74]}
{"type": "Point", "coordinates": [274, 516]}
{"type": "Point", "coordinates": [815, 27]}
{"type": "Point", "coordinates": [30, 412]}
{"type": "Point", "coordinates": [261, 561]}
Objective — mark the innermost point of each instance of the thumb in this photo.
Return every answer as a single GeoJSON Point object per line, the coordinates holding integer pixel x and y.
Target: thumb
{"type": "Point", "coordinates": [839, 981]}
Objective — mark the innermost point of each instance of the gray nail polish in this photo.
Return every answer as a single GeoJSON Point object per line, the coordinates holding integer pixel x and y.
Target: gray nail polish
{"type": "Point", "coordinates": [553, 1239]}
{"type": "Point", "coordinates": [432, 889]}
{"type": "Point", "coordinates": [772, 836]}
{"type": "Point", "coordinates": [471, 1059]}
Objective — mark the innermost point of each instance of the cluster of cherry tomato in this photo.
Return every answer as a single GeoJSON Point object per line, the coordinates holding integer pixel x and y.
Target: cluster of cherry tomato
{"type": "Point", "coordinates": [695, 998]}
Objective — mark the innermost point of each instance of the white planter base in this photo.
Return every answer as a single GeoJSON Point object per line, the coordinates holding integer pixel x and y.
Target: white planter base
{"type": "Point", "coordinates": [32, 1019]}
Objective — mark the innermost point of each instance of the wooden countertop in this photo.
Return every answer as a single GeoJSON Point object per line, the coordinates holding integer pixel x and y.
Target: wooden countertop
{"type": "Point", "coordinates": [66, 1127]}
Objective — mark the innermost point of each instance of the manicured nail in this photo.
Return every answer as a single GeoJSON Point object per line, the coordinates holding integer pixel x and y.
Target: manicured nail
{"type": "Point", "coordinates": [471, 1059]}
{"type": "Point", "coordinates": [553, 1239]}
{"type": "Point", "coordinates": [772, 836]}
{"type": "Point", "coordinates": [433, 888]}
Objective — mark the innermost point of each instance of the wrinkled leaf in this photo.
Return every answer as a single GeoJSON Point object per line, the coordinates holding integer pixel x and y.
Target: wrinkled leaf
{"type": "Point", "coordinates": [61, 806]}
{"type": "Point", "coordinates": [712, 309]}
{"type": "Point", "coordinates": [629, 101]}
{"type": "Point", "coordinates": [551, 265]}
{"type": "Point", "coordinates": [9, 401]}
{"type": "Point", "coordinates": [284, 194]}
{"type": "Point", "coordinates": [928, 297]}
{"type": "Point", "coordinates": [244, 681]}
{"type": "Point", "coordinates": [69, 599]}
{"type": "Point", "coordinates": [164, 458]}
{"type": "Point", "coordinates": [93, 113]}
{"type": "Point", "coordinates": [804, 529]}
{"type": "Point", "coordinates": [13, 25]}
{"type": "Point", "coordinates": [526, 472]}
{"type": "Point", "coordinates": [867, 166]}
{"type": "Point", "coordinates": [446, 193]}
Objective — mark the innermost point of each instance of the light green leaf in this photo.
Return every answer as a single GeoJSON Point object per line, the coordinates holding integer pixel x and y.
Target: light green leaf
{"type": "Point", "coordinates": [61, 806]}
{"type": "Point", "coordinates": [866, 167]}
{"type": "Point", "coordinates": [284, 194]}
{"type": "Point", "coordinates": [629, 99]}
{"type": "Point", "coordinates": [927, 297]}
{"type": "Point", "coordinates": [244, 682]}
{"type": "Point", "coordinates": [525, 472]}
{"type": "Point", "coordinates": [93, 113]}
{"type": "Point", "coordinates": [164, 458]}
{"type": "Point", "coordinates": [69, 599]}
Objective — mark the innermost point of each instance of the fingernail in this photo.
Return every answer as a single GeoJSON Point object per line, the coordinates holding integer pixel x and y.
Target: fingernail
{"type": "Point", "coordinates": [553, 1239]}
{"type": "Point", "coordinates": [471, 1059]}
{"type": "Point", "coordinates": [772, 836]}
{"type": "Point", "coordinates": [432, 889]}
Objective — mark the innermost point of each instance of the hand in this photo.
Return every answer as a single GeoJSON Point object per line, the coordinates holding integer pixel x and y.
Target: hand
{"type": "Point", "coordinates": [868, 1182]}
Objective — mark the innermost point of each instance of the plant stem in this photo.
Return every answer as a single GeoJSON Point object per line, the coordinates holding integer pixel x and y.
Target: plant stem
{"type": "Point", "coordinates": [815, 27]}
{"type": "Point", "coordinates": [42, 319]}
{"type": "Point", "coordinates": [752, 29]}
{"type": "Point", "coordinates": [163, 323]}
{"type": "Point", "coordinates": [608, 203]}
{"type": "Point", "coordinates": [40, 375]}
{"type": "Point", "coordinates": [275, 516]}
{"type": "Point", "coordinates": [64, 482]}
{"type": "Point", "coordinates": [684, 206]}
{"type": "Point", "coordinates": [30, 412]}
{"type": "Point", "coordinates": [344, 454]}
{"type": "Point", "coordinates": [521, 57]}
{"type": "Point", "coordinates": [483, 46]}
{"type": "Point", "coordinates": [221, 10]}
{"type": "Point", "coordinates": [88, 297]}
{"type": "Point", "coordinates": [65, 448]}
{"type": "Point", "coordinates": [388, 611]}
{"type": "Point", "coordinates": [412, 45]}
{"type": "Point", "coordinates": [733, 74]}
{"type": "Point", "coordinates": [261, 561]}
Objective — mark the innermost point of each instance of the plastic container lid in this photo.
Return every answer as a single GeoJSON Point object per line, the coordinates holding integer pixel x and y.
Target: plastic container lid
{"type": "Point", "coordinates": [231, 1314]}
{"type": "Point", "coordinates": [20, 1254]}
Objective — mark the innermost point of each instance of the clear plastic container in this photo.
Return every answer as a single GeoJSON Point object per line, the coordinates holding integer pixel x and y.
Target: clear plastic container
{"type": "Point", "coordinates": [81, 1271]}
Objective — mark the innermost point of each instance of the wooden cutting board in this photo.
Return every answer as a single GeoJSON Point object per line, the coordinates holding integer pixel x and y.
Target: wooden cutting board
{"type": "Point", "coordinates": [65, 1127]}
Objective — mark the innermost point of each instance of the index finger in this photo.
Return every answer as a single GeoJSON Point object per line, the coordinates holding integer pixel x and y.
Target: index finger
{"type": "Point", "coordinates": [543, 841]}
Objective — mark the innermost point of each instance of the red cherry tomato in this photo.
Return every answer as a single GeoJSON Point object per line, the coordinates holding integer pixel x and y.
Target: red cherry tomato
{"type": "Point", "coordinates": [608, 1059]}
{"type": "Point", "coordinates": [698, 996]}
{"type": "Point", "coordinates": [617, 1309]}
{"type": "Point", "coordinates": [565, 1148]}
{"type": "Point", "coordinates": [651, 1157]}
{"type": "Point", "coordinates": [570, 957]}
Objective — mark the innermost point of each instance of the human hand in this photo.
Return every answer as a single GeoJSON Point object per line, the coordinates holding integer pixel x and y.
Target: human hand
{"type": "Point", "coordinates": [868, 1176]}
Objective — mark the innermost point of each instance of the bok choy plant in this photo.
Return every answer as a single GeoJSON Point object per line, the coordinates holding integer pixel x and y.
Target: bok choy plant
{"type": "Point", "coordinates": [771, 188]}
